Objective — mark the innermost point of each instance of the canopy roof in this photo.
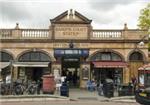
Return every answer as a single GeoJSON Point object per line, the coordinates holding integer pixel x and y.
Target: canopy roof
{"type": "Point", "coordinates": [109, 64]}
{"type": "Point", "coordinates": [145, 67]}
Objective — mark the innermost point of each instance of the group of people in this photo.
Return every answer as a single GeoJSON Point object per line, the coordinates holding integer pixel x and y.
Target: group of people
{"type": "Point", "coordinates": [71, 77]}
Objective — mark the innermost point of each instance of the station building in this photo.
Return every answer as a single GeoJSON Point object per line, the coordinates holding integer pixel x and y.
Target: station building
{"type": "Point", "coordinates": [70, 46]}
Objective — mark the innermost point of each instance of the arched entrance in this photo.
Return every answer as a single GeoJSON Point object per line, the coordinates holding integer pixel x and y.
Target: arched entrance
{"type": "Point", "coordinates": [32, 65]}
{"type": "Point", "coordinates": [5, 61]}
{"type": "Point", "coordinates": [136, 60]}
{"type": "Point", "coordinates": [107, 64]}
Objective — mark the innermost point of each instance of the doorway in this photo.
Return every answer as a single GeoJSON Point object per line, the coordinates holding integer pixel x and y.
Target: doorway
{"type": "Point", "coordinates": [32, 73]}
{"type": "Point", "coordinates": [71, 70]}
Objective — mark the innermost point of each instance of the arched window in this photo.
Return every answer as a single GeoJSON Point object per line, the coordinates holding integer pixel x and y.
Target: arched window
{"type": "Point", "coordinates": [136, 56]}
{"type": "Point", "coordinates": [34, 57]}
{"type": "Point", "coordinates": [106, 56]}
{"type": "Point", "coordinates": [5, 57]}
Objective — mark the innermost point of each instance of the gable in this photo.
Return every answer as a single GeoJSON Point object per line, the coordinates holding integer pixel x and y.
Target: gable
{"type": "Point", "coordinates": [71, 17]}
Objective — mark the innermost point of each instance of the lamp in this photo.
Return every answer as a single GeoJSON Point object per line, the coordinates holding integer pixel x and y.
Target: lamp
{"type": "Point", "coordinates": [141, 43]}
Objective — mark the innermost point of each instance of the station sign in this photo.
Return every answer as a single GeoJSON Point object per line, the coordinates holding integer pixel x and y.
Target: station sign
{"type": "Point", "coordinates": [71, 52]}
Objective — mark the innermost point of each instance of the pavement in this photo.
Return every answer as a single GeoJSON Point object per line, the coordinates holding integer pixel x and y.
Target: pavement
{"type": "Point", "coordinates": [74, 95]}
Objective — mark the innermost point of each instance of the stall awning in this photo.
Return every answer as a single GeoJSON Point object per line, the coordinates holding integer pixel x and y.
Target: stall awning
{"type": "Point", "coordinates": [145, 67]}
{"type": "Point", "coordinates": [4, 65]}
{"type": "Point", "coordinates": [109, 64]}
{"type": "Point", "coordinates": [30, 64]}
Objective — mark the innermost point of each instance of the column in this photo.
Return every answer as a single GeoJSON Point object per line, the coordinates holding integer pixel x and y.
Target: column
{"type": "Point", "coordinates": [84, 74]}
{"type": "Point", "coordinates": [15, 73]}
{"type": "Point", "coordinates": [126, 75]}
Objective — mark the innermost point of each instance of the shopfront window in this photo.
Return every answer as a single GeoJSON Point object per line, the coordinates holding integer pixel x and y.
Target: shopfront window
{"type": "Point", "coordinates": [147, 79]}
{"type": "Point", "coordinates": [5, 57]}
{"type": "Point", "coordinates": [141, 79]}
{"type": "Point", "coordinates": [34, 57]}
{"type": "Point", "coordinates": [106, 56]}
{"type": "Point", "coordinates": [136, 56]}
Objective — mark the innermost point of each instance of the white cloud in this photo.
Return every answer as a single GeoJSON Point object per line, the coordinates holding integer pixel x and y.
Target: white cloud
{"type": "Point", "coordinates": [36, 13]}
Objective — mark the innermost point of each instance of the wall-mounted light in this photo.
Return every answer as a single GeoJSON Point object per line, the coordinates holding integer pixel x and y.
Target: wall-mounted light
{"type": "Point", "coordinates": [141, 43]}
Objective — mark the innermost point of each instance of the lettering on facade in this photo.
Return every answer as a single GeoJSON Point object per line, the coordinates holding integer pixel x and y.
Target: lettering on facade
{"type": "Point", "coordinates": [65, 45]}
{"type": "Point", "coordinates": [71, 31]}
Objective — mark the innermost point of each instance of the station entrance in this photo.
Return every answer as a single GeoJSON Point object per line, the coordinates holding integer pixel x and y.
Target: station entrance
{"type": "Point", "coordinates": [71, 70]}
{"type": "Point", "coordinates": [71, 60]}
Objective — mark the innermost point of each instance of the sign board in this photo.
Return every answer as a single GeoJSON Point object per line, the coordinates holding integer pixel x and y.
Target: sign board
{"type": "Point", "coordinates": [71, 52]}
{"type": "Point", "coordinates": [71, 31]}
{"type": "Point", "coordinates": [85, 68]}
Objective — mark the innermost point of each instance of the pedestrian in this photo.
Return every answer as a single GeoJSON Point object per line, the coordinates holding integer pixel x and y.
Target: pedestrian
{"type": "Point", "coordinates": [134, 82]}
{"type": "Point", "coordinates": [74, 79]}
{"type": "Point", "coordinates": [100, 89]}
{"type": "Point", "coordinates": [38, 86]}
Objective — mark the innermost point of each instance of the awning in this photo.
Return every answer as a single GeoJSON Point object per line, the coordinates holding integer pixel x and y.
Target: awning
{"type": "Point", "coordinates": [30, 64]}
{"type": "Point", "coordinates": [109, 64]}
{"type": "Point", "coordinates": [4, 65]}
{"type": "Point", "coordinates": [145, 67]}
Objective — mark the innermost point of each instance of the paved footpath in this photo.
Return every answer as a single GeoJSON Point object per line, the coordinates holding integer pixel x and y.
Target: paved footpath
{"type": "Point", "coordinates": [76, 97]}
{"type": "Point", "coordinates": [67, 103]}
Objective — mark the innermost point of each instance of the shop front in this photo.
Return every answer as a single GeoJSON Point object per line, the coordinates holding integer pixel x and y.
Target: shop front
{"type": "Point", "coordinates": [31, 66]}
{"type": "Point", "coordinates": [108, 65]}
{"type": "Point", "coordinates": [109, 70]}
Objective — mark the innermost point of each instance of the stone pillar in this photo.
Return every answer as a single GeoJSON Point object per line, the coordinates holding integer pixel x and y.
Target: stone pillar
{"type": "Point", "coordinates": [126, 75]}
{"type": "Point", "coordinates": [84, 74]}
{"type": "Point", "coordinates": [16, 33]}
{"type": "Point", "coordinates": [56, 68]}
{"type": "Point", "coordinates": [15, 73]}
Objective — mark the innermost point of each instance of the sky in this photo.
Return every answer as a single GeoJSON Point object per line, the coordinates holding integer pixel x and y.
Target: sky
{"type": "Point", "coordinates": [105, 14]}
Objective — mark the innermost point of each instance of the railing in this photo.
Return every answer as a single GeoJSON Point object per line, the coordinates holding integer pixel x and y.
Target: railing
{"type": "Point", "coordinates": [95, 35]}
{"type": "Point", "coordinates": [106, 34]}
{"type": "Point", "coordinates": [5, 33]}
{"type": "Point", "coordinates": [24, 33]}
{"type": "Point", "coordinates": [35, 33]}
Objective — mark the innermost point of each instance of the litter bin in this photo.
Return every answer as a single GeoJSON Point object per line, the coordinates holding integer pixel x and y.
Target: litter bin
{"type": "Point", "coordinates": [48, 84]}
{"type": "Point", "coordinates": [108, 88]}
{"type": "Point", "coordinates": [64, 89]}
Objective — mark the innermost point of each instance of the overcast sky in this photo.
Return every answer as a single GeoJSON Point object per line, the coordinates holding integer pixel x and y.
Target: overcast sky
{"type": "Point", "coordinates": [106, 14]}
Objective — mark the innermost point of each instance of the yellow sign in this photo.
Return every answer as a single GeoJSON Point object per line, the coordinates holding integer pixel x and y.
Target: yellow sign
{"type": "Point", "coordinates": [142, 94]}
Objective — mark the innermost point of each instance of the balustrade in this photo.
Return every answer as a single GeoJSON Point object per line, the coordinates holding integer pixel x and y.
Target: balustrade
{"type": "Point", "coordinates": [5, 33]}
{"type": "Point", "coordinates": [106, 34]}
{"type": "Point", "coordinates": [35, 33]}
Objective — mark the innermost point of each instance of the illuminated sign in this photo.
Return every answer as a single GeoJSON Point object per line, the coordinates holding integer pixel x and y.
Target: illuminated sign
{"type": "Point", "coordinates": [71, 52]}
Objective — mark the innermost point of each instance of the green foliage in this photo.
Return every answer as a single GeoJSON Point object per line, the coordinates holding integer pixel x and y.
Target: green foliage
{"type": "Point", "coordinates": [144, 18]}
{"type": "Point", "coordinates": [149, 45]}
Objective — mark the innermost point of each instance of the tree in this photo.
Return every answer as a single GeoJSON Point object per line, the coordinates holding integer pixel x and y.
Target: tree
{"type": "Point", "coordinates": [144, 20]}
